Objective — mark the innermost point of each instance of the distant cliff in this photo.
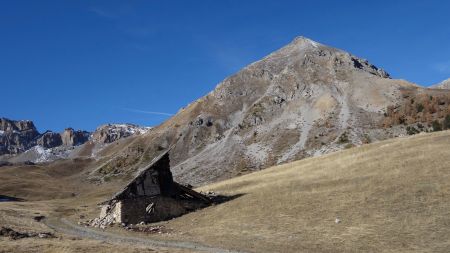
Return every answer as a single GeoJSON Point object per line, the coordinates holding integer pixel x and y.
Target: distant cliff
{"type": "Point", "coordinates": [20, 141]}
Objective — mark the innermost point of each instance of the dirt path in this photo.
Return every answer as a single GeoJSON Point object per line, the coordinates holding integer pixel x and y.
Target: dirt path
{"type": "Point", "coordinates": [66, 227]}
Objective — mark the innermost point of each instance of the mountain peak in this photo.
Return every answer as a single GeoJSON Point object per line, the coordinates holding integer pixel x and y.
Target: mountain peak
{"type": "Point", "coordinates": [315, 57]}
{"type": "Point", "coordinates": [305, 41]}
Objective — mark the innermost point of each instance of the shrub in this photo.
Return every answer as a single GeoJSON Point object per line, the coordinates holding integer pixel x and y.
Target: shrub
{"type": "Point", "coordinates": [446, 123]}
{"type": "Point", "coordinates": [367, 139]}
{"type": "Point", "coordinates": [348, 145]}
{"type": "Point", "coordinates": [419, 107]}
{"type": "Point", "coordinates": [436, 126]}
{"type": "Point", "coordinates": [343, 138]}
{"type": "Point", "coordinates": [410, 130]}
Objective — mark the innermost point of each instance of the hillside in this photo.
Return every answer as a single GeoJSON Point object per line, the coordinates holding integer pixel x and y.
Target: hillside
{"type": "Point", "coordinates": [390, 196]}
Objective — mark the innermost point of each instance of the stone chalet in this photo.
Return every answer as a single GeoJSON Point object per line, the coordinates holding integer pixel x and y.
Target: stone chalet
{"type": "Point", "coordinates": [151, 196]}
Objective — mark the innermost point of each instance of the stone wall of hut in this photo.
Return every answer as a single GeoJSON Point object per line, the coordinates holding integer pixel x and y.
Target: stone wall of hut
{"type": "Point", "coordinates": [151, 209]}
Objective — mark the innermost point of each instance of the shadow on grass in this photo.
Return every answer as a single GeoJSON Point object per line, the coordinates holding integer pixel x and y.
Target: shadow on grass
{"type": "Point", "coordinates": [4, 198]}
{"type": "Point", "coordinates": [219, 199]}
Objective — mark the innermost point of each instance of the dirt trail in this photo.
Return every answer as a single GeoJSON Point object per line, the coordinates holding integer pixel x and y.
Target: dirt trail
{"type": "Point", "coordinates": [66, 227]}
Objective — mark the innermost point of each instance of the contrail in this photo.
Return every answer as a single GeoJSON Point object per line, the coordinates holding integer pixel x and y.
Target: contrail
{"type": "Point", "coordinates": [148, 112]}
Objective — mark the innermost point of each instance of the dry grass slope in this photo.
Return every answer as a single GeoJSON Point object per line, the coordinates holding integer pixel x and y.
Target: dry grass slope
{"type": "Point", "coordinates": [391, 196]}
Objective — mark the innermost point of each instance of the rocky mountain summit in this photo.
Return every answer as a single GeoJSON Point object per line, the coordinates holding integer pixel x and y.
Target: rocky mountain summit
{"type": "Point", "coordinates": [305, 99]}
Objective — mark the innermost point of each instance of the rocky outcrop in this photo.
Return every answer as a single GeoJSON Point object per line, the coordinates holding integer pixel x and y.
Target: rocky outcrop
{"type": "Point", "coordinates": [20, 141]}
{"type": "Point", "coordinates": [12, 125]}
{"type": "Point", "coordinates": [113, 132]}
{"type": "Point", "coordinates": [49, 139]}
{"type": "Point", "coordinates": [71, 137]}
{"type": "Point", "coordinates": [16, 136]}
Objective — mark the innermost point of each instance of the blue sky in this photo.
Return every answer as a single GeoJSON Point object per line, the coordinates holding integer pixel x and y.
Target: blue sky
{"type": "Point", "coordinates": [85, 63]}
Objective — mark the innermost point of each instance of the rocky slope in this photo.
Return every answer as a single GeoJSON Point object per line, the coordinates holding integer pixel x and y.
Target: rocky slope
{"type": "Point", "coordinates": [305, 99]}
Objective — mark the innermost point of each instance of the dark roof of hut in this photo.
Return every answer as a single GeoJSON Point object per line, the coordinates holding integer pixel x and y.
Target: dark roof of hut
{"type": "Point", "coordinates": [178, 188]}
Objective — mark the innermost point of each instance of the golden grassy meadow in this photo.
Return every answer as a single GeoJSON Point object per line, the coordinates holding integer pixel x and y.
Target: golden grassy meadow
{"type": "Point", "coordinates": [390, 196]}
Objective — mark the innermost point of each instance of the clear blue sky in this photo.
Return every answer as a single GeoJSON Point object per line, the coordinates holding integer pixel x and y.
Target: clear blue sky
{"type": "Point", "coordinates": [85, 63]}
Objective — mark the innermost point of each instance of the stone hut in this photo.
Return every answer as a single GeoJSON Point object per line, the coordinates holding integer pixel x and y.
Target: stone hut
{"type": "Point", "coordinates": [151, 196]}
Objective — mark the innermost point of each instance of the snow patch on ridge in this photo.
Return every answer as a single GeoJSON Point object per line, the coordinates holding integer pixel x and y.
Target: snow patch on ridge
{"type": "Point", "coordinates": [127, 129]}
{"type": "Point", "coordinates": [132, 129]}
{"type": "Point", "coordinates": [44, 154]}
{"type": "Point", "coordinates": [40, 154]}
